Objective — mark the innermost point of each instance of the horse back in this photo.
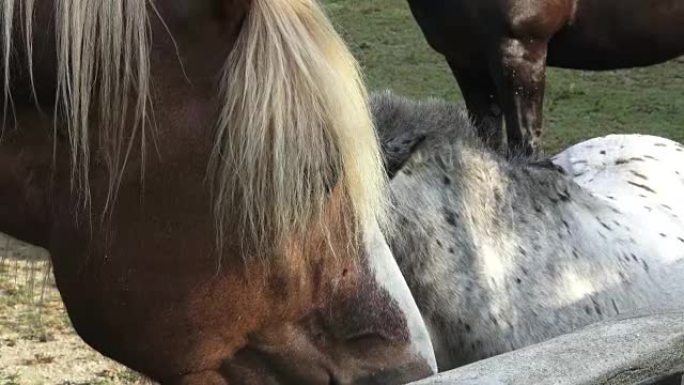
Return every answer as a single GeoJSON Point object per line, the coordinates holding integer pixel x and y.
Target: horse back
{"type": "Point", "coordinates": [641, 168]}
{"type": "Point", "coordinates": [612, 34]}
{"type": "Point", "coordinates": [641, 180]}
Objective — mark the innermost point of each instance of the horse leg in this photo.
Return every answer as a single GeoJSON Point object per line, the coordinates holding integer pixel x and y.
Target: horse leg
{"type": "Point", "coordinates": [479, 92]}
{"type": "Point", "coordinates": [519, 69]}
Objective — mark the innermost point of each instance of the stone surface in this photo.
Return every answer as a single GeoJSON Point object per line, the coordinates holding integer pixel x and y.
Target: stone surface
{"type": "Point", "coordinates": [637, 350]}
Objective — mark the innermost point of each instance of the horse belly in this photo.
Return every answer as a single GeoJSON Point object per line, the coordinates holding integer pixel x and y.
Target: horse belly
{"type": "Point", "coordinates": [614, 34]}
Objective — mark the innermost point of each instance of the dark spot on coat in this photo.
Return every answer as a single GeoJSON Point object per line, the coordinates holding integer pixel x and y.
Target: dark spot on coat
{"type": "Point", "coordinates": [646, 268]}
{"type": "Point", "coordinates": [438, 242]}
{"type": "Point", "coordinates": [666, 207]}
{"type": "Point", "coordinates": [663, 235]}
{"type": "Point", "coordinates": [587, 309]}
{"type": "Point", "coordinates": [450, 218]}
{"type": "Point", "coordinates": [602, 152]}
{"type": "Point", "coordinates": [447, 180]}
{"type": "Point", "coordinates": [522, 250]}
{"type": "Point", "coordinates": [638, 175]}
{"type": "Point", "coordinates": [660, 145]}
{"type": "Point", "coordinates": [634, 257]}
{"type": "Point", "coordinates": [467, 328]}
{"type": "Point", "coordinates": [575, 253]}
{"type": "Point", "coordinates": [650, 157]}
{"type": "Point", "coordinates": [451, 250]}
{"type": "Point", "coordinates": [617, 311]}
{"type": "Point", "coordinates": [597, 307]}
{"type": "Point", "coordinates": [636, 159]}
{"type": "Point", "coordinates": [604, 225]}
{"type": "Point", "coordinates": [641, 186]}
{"type": "Point", "coordinates": [680, 239]}
{"type": "Point", "coordinates": [621, 161]}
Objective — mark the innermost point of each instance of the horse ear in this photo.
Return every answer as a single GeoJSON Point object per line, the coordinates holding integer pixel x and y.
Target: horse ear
{"type": "Point", "coordinates": [396, 151]}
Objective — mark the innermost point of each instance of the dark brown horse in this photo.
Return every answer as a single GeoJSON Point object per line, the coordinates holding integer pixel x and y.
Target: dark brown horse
{"type": "Point", "coordinates": [498, 50]}
{"type": "Point", "coordinates": [206, 178]}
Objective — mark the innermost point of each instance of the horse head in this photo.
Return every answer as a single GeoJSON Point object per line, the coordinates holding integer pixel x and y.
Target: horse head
{"type": "Point", "coordinates": [206, 177]}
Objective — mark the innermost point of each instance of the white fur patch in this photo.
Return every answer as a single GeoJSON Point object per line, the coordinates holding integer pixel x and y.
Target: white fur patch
{"type": "Point", "coordinates": [642, 178]}
{"type": "Point", "coordinates": [388, 275]}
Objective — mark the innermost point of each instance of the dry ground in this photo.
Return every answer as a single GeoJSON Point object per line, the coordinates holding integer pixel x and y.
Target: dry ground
{"type": "Point", "coordinates": [38, 346]}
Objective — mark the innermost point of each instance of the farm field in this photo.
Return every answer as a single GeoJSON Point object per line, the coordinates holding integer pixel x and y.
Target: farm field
{"type": "Point", "coordinates": [579, 105]}
{"type": "Point", "coordinates": [37, 343]}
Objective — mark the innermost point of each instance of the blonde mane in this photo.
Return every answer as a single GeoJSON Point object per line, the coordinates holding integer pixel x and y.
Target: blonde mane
{"type": "Point", "coordinates": [102, 59]}
{"type": "Point", "coordinates": [295, 119]}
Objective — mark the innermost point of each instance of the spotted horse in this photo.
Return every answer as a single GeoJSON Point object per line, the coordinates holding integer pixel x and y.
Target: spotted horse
{"type": "Point", "coordinates": [502, 253]}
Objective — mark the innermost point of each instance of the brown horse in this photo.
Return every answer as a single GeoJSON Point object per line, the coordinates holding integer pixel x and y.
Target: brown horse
{"type": "Point", "coordinates": [207, 180]}
{"type": "Point", "coordinates": [498, 50]}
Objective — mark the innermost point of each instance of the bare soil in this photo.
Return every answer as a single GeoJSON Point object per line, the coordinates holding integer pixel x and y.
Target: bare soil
{"type": "Point", "coordinates": [38, 345]}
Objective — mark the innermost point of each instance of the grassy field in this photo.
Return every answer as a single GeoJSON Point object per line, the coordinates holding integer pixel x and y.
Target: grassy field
{"type": "Point", "coordinates": [579, 105]}
{"type": "Point", "coordinates": [37, 344]}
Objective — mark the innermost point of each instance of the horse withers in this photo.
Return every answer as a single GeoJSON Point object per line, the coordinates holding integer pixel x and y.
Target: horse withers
{"type": "Point", "coordinates": [206, 178]}
{"type": "Point", "coordinates": [498, 50]}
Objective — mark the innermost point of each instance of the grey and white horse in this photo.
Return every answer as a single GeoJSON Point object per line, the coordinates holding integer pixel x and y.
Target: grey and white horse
{"type": "Point", "coordinates": [502, 253]}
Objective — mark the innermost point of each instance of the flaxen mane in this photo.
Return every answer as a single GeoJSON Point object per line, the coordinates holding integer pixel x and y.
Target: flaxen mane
{"type": "Point", "coordinates": [294, 122]}
{"type": "Point", "coordinates": [298, 124]}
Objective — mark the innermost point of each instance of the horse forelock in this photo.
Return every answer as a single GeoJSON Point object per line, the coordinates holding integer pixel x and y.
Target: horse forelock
{"type": "Point", "coordinates": [294, 121]}
{"type": "Point", "coordinates": [102, 59]}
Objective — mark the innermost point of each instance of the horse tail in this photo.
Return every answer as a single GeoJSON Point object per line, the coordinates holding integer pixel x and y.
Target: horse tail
{"type": "Point", "coordinates": [294, 123]}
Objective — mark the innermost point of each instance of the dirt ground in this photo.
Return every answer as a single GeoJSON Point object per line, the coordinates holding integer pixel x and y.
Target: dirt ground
{"type": "Point", "coordinates": [37, 343]}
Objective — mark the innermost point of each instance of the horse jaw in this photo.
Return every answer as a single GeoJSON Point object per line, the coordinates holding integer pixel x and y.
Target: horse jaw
{"type": "Point", "coordinates": [388, 276]}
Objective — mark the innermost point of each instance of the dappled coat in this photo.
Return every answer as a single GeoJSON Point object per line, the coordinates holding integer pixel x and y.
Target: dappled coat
{"type": "Point", "coordinates": [503, 253]}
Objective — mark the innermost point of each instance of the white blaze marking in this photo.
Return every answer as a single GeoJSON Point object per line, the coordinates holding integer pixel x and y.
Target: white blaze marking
{"type": "Point", "coordinates": [388, 275]}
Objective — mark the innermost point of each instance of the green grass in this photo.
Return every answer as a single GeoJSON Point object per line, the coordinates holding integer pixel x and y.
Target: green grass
{"type": "Point", "coordinates": [579, 105]}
